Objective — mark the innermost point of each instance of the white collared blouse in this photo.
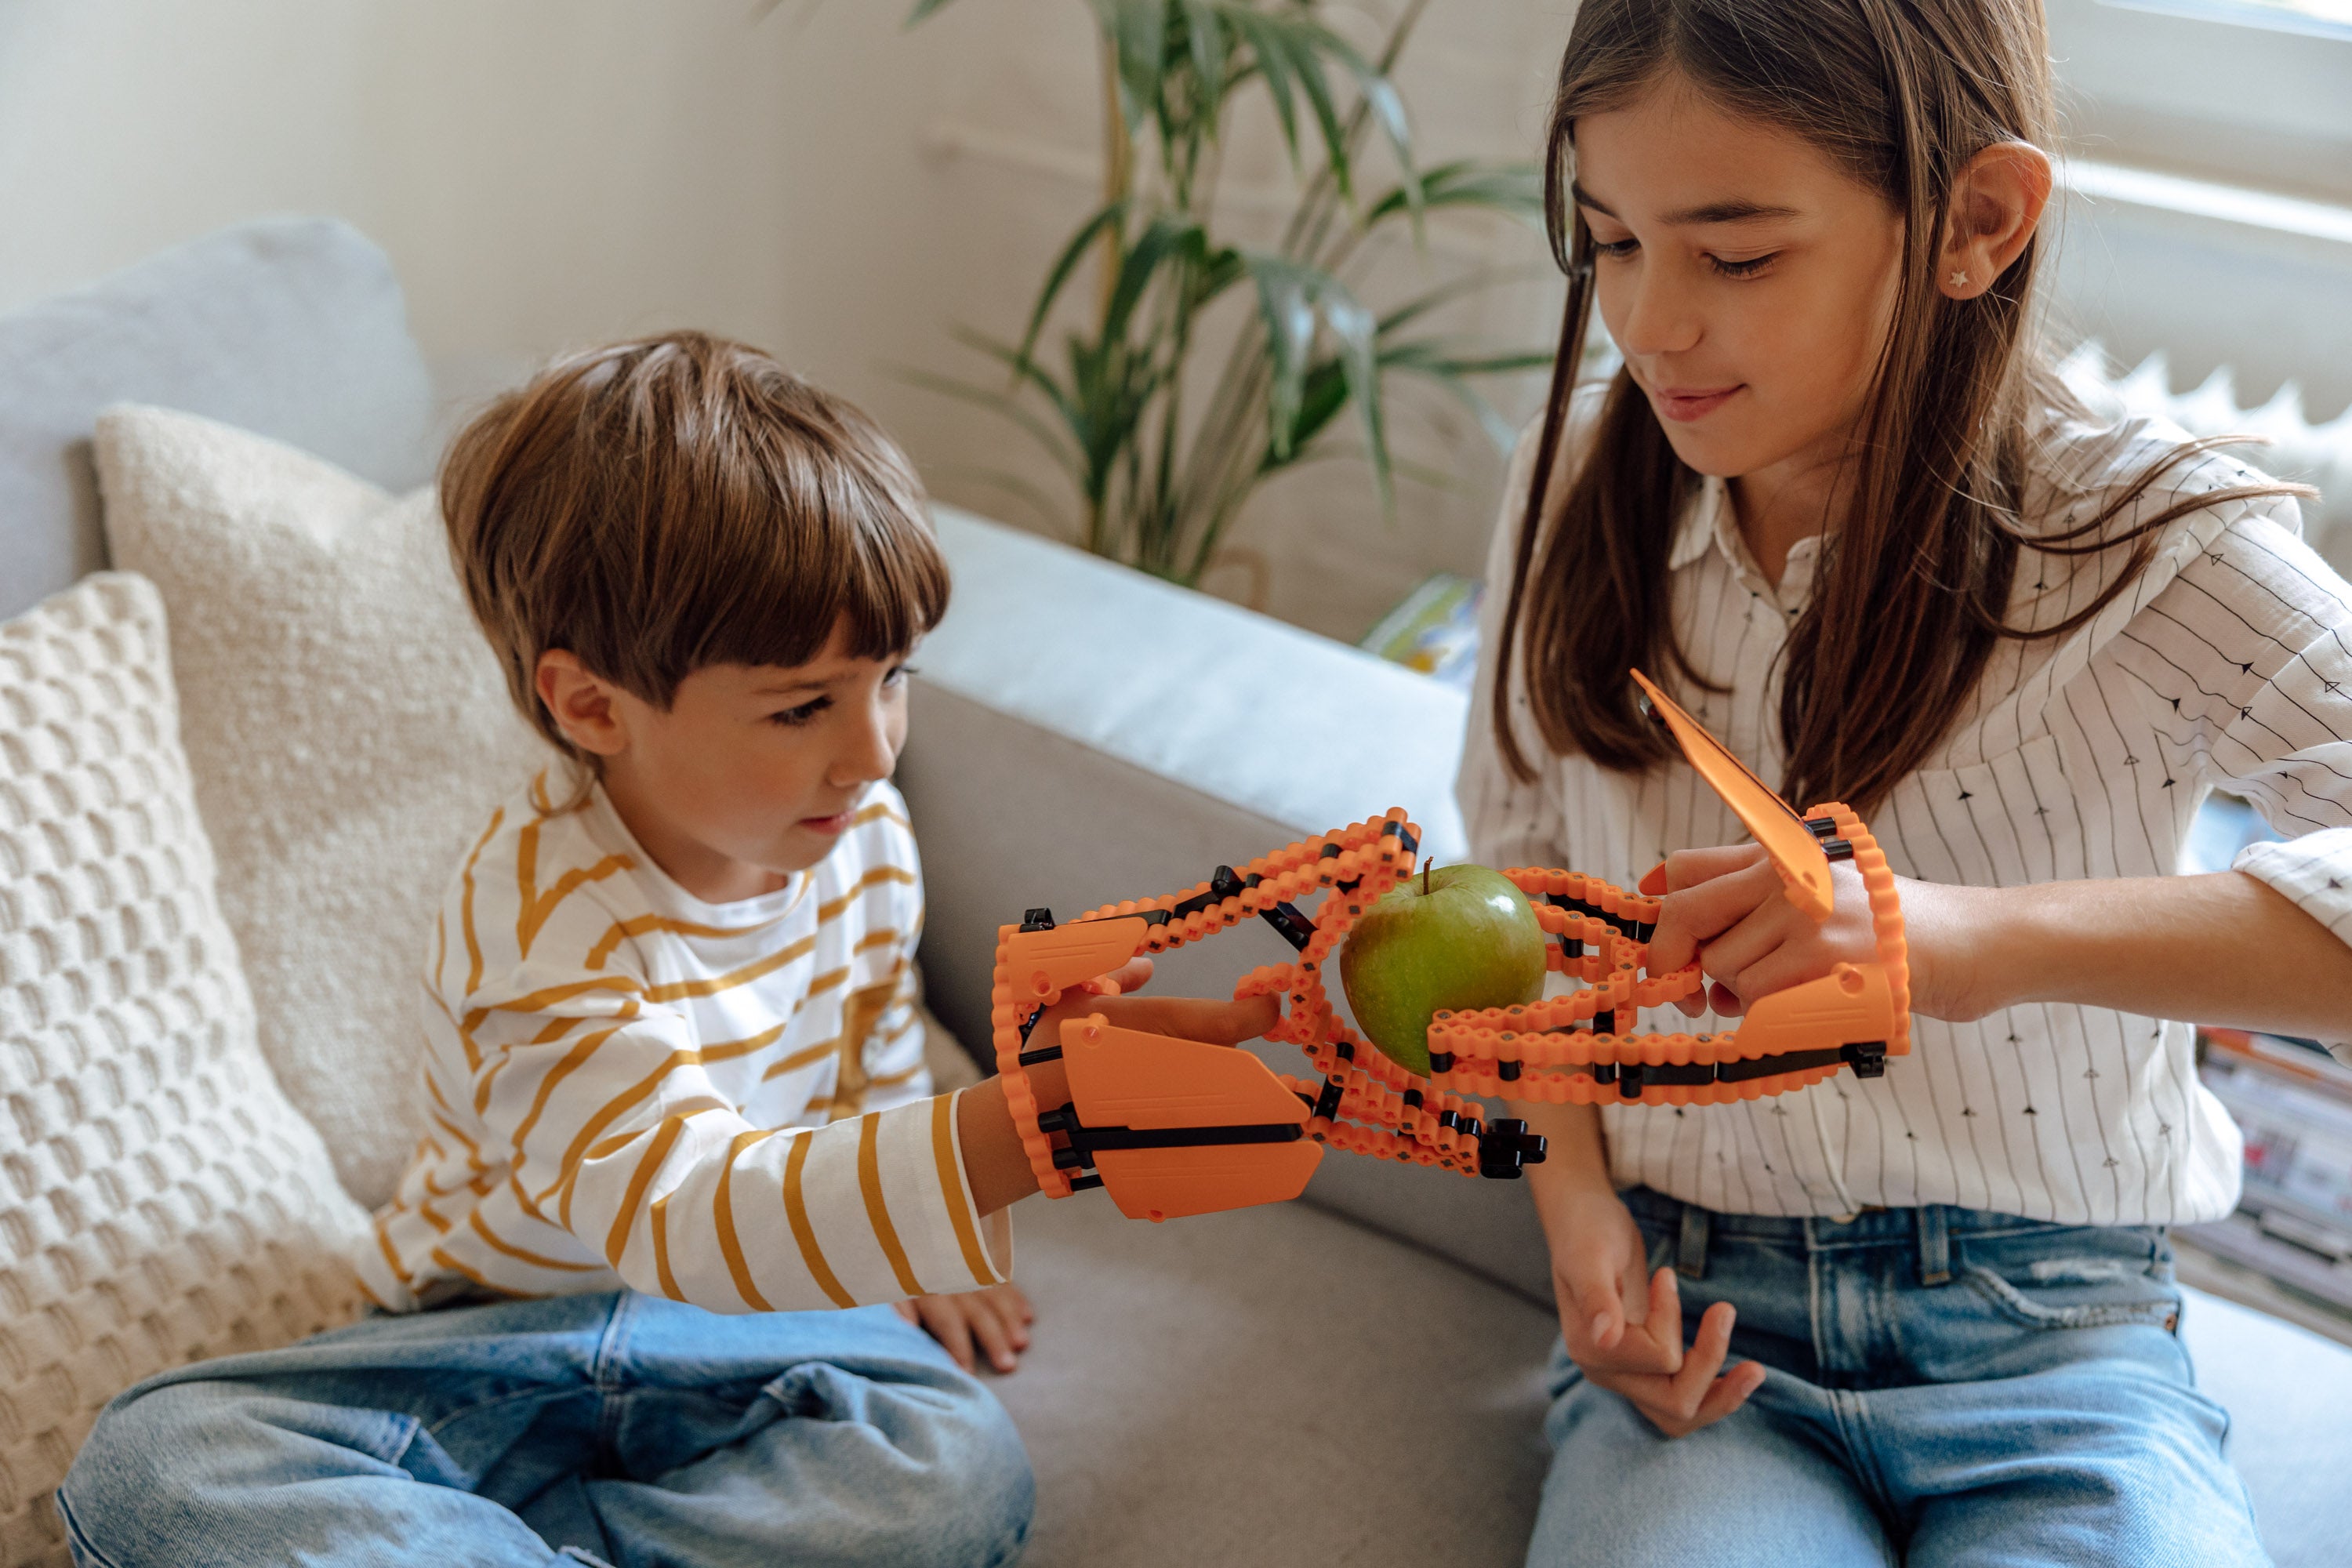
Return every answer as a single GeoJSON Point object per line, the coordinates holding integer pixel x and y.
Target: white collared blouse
{"type": "Point", "coordinates": [2227, 665]}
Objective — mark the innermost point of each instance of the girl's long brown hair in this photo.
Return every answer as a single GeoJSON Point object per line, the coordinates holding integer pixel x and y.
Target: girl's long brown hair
{"type": "Point", "coordinates": [1913, 591]}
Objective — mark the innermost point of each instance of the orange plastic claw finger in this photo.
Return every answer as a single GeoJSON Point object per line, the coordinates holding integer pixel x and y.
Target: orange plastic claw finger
{"type": "Point", "coordinates": [1175, 1127]}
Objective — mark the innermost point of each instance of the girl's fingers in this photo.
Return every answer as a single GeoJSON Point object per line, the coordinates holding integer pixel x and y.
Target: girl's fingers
{"type": "Point", "coordinates": [1689, 868]}
{"type": "Point", "coordinates": [1699, 914]}
{"type": "Point", "coordinates": [1728, 1393]}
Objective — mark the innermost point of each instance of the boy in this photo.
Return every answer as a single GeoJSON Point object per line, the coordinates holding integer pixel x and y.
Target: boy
{"type": "Point", "coordinates": [672, 1062]}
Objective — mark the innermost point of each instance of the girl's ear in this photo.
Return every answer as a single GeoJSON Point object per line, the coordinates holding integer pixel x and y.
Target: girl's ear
{"type": "Point", "coordinates": [1997, 203]}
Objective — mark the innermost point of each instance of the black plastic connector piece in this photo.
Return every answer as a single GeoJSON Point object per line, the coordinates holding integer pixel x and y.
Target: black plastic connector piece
{"type": "Point", "coordinates": [1449, 1119]}
{"type": "Point", "coordinates": [1050, 1121]}
{"type": "Point", "coordinates": [1291, 922]}
{"type": "Point", "coordinates": [1505, 1147]}
{"type": "Point", "coordinates": [1867, 1058]}
{"type": "Point", "coordinates": [1821, 826]}
{"type": "Point", "coordinates": [1068, 1159]}
{"type": "Point", "coordinates": [1029, 1025]}
{"type": "Point", "coordinates": [1441, 1061]}
{"type": "Point", "coordinates": [1837, 849]}
{"type": "Point", "coordinates": [1343, 1050]}
{"type": "Point", "coordinates": [1629, 1080]}
{"type": "Point", "coordinates": [1039, 918]}
{"type": "Point", "coordinates": [1041, 1055]}
{"type": "Point", "coordinates": [1507, 1071]}
{"type": "Point", "coordinates": [1085, 1183]}
{"type": "Point", "coordinates": [1412, 1098]}
{"type": "Point", "coordinates": [1326, 1104]}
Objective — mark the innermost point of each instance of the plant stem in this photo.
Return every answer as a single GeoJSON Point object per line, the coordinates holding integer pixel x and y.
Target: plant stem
{"type": "Point", "coordinates": [1119, 153]}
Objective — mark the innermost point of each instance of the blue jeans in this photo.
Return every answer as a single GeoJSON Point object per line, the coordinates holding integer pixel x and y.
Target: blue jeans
{"type": "Point", "coordinates": [617, 1428]}
{"type": "Point", "coordinates": [1942, 1387]}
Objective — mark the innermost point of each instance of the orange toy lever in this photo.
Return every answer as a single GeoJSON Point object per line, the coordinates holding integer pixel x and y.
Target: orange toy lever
{"type": "Point", "coordinates": [1174, 1127]}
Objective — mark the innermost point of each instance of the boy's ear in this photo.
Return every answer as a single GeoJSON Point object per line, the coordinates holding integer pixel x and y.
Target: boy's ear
{"type": "Point", "coordinates": [582, 705]}
{"type": "Point", "coordinates": [1997, 203]}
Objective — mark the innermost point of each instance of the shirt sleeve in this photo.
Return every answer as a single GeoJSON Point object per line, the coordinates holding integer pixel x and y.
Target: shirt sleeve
{"type": "Point", "coordinates": [894, 1070]}
{"type": "Point", "coordinates": [1511, 821]}
{"type": "Point", "coordinates": [620, 1137]}
{"type": "Point", "coordinates": [2250, 652]}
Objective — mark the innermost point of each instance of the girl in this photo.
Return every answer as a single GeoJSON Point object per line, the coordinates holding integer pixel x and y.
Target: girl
{"type": "Point", "coordinates": [1835, 494]}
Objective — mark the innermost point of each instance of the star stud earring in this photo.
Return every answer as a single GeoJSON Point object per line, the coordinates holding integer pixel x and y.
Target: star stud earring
{"type": "Point", "coordinates": [1960, 280]}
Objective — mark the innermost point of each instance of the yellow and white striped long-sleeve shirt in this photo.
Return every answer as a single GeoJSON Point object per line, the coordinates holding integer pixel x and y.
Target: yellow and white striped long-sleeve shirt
{"type": "Point", "coordinates": [721, 1103]}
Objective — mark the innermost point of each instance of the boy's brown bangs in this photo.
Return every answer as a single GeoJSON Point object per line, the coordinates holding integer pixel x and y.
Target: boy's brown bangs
{"type": "Point", "coordinates": [863, 561]}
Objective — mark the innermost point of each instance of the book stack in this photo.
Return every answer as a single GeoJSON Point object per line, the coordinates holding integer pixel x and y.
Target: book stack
{"type": "Point", "coordinates": [2294, 1102]}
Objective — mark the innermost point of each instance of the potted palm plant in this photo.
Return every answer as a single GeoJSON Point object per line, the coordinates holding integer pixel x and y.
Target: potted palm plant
{"type": "Point", "coordinates": [1161, 454]}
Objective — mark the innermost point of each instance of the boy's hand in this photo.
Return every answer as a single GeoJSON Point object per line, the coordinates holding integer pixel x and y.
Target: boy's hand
{"type": "Point", "coordinates": [1728, 908]}
{"type": "Point", "coordinates": [1201, 1018]}
{"type": "Point", "coordinates": [1626, 1334]}
{"type": "Point", "coordinates": [994, 1162]}
{"type": "Point", "coordinates": [995, 1320]}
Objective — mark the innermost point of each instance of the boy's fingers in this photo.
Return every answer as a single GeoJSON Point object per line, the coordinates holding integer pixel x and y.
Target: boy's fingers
{"type": "Point", "coordinates": [1194, 1018]}
{"type": "Point", "coordinates": [1132, 975]}
{"type": "Point", "coordinates": [995, 1341]}
{"type": "Point", "coordinates": [1665, 1324]}
{"type": "Point", "coordinates": [946, 1325]}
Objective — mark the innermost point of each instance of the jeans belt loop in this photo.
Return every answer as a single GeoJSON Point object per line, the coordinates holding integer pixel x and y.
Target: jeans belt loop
{"type": "Point", "coordinates": [1935, 1246]}
{"type": "Point", "coordinates": [1690, 1248]}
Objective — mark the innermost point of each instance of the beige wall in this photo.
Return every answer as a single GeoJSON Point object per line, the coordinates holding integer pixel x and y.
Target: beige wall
{"type": "Point", "coordinates": [823, 182]}
{"type": "Point", "coordinates": [547, 172]}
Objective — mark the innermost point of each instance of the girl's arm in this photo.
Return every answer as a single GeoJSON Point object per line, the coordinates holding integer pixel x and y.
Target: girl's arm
{"type": "Point", "coordinates": [2221, 949]}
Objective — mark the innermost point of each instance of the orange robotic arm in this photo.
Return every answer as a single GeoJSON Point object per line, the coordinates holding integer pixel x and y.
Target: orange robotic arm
{"type": "Point", "coordinates": [1172, 1127]}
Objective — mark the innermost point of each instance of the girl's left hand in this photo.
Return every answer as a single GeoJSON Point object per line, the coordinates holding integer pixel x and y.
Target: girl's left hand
{"type": "Point", "coordinates": [996, 1321]}
{"type": "Point", "coordinates": [1728, 908]}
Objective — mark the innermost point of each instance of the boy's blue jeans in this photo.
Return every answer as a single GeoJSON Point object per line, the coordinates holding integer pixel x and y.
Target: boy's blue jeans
{"type": "Point", "coordinates": [1942, 1387]}
{"type": "Point", "coordinates": [616, 1428]}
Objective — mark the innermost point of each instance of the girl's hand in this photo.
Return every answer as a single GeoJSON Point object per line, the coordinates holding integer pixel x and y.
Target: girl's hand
{"type": "Point", "coordinates": [995, 1320]}
{"type": "Point", "coordinates": [1626, 1332]}
{"type": "Point", "coordinates": [1728, 908]}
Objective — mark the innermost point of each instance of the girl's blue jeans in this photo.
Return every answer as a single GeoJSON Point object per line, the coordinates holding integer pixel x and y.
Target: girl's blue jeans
{"type": "Point", "coordinates": [616, 1429]}
{"type": "Point", "coordinates": [1942, 1387]}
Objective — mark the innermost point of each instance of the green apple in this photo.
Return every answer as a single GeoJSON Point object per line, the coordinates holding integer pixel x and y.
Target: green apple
{"type": "Point", "coordinates": [1455, 938]}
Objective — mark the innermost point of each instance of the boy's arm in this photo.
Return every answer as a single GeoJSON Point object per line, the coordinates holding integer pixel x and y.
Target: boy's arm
{"type": "Point", "coordinates": [996, 1165]}
{"type": "Point", "coordinates": [621, 1138]}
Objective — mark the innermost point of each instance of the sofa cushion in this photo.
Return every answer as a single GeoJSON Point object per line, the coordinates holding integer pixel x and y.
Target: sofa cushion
{"type": "Point", "coordinates": [350, 734]}
{"type": "Point", "coordinates": [293, 327]}
{"type": "Point", "coordinates": [164, 1203]}
{"type": "Point", "coordinates": [1270, 1385]}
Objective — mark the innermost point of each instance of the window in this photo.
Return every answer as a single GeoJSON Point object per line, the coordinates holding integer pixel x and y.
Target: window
{"type": "Point", "coordinates": [2250, 92]}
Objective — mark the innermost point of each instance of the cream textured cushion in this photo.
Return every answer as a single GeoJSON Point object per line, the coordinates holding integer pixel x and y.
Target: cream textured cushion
{"type": "Point", "coordinates": [349, 735]}
{"type": "Point", "coordinates": [160, 1201]}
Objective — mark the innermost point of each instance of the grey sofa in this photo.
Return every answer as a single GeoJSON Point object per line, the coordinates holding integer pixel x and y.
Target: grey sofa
{"type": "Point", "coordinates": [1354, 1377]}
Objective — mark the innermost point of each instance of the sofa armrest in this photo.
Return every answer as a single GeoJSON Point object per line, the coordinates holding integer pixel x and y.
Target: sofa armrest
{"type": "Point", "coordinates": [1084, 733]}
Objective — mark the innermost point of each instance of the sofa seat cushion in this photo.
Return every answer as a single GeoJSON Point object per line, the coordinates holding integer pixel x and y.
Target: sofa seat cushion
{"type": "Point", "coordinates": [164, 1203]}
{"type": "Point", "coordinates": [1270, 1385]}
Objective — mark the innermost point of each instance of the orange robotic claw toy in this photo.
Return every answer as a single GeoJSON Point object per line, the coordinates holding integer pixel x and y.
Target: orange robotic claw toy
{"type": "Point", "coordinates": [1172, 1127]}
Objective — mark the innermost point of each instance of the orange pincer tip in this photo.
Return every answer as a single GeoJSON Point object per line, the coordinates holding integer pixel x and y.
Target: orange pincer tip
{"type": "Point", "coordinates": [1653, 881]}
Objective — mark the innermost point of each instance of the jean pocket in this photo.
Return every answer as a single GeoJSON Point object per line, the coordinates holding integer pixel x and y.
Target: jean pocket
{"type": "Point", "coordinates": [2063, 1298]}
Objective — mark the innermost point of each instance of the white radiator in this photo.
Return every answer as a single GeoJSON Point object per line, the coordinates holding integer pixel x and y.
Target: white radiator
{"type": "Point", "coordinates": [2319, 455]}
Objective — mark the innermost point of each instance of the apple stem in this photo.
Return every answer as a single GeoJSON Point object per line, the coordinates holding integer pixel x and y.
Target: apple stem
{"type": "Point", "coordinates": [1424, 878]}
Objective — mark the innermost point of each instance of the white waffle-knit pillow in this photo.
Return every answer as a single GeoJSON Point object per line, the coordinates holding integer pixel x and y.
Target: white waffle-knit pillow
{"type": "Point", "coordinates": [160, 1201]}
